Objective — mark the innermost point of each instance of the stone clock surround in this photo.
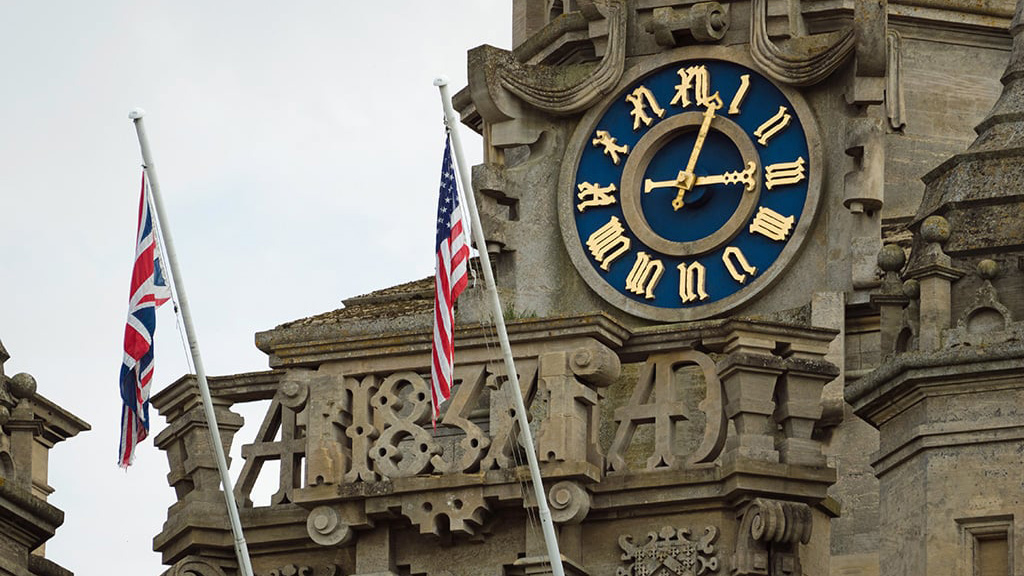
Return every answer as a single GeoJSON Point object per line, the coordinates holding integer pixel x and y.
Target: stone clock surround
{"type": "Point", "coordinates": [581, 138]}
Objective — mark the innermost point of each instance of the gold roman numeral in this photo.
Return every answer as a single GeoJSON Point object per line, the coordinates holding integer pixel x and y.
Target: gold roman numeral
{"type": "Point", "coordinates": [772, 126]}
{"type": "Point", "coordinates": [640, 99]}
{"type": "Point", "coordinates": [771, 224]}
{"type": "Point", "coordinates": [741, 94]}
{"type": "Point", "coordinates": [692, 282]}
{"type": "Point", "coordinates": [644, 276]}
{"type": "Point", "coordinates": [594, 195]}
{"type": "Point", "coordinates": [604, 138]}
{"type": "Point", "coordinates": [608, 243]}
{"type": "Point", "coordinates": [784, 173]}
{"type": "Point", "coordinates": [698, 80]}
{"type": "Point", "coordinates": [731, 258]}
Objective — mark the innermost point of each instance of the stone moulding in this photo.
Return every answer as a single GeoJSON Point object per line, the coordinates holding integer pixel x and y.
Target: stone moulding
{"type": "Point", "coordinates": [557, 91]}
{"type": "Point", "coordinates": [802, 61]}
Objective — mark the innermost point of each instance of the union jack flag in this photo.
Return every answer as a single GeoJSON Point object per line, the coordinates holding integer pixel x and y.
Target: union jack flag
{"type": "Point", "coordinates": [450, 280]}
{"type": "Point", "coordinates": [148, 291]}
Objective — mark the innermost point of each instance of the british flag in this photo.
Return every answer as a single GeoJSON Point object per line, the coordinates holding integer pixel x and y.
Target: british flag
{"type": "Point", "coordinates": [450, 280]}
{"type": "Point", "coordinates": [148, 291]}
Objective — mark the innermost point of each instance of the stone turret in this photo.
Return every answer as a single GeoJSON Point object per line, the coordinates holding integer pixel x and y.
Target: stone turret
{"type": "Point", "coordinates": [949, 400]}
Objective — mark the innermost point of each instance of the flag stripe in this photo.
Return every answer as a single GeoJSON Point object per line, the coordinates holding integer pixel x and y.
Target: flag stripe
{"type": "Point", "coordinates": [148, 291]}
{"type": "Point", "coordinates": [451, 278]}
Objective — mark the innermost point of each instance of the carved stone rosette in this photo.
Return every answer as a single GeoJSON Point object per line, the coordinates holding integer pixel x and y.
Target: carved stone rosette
{"type": "Point", "coordinates": [670, 550]}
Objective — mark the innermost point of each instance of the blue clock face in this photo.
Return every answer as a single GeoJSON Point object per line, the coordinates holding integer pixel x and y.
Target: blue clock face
{"type": "Point", "coordinates": [691, 187]}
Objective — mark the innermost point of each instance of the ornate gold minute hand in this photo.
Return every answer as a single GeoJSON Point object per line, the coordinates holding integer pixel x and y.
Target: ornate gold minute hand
{"type": "Point", "coordinates": [709, 115]}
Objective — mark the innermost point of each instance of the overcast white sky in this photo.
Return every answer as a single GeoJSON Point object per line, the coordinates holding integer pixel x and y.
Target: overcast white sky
{"type": "Point", "coordinates": [298, 146]}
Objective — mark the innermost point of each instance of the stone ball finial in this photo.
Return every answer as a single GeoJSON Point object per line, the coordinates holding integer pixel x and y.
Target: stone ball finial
{"type": "Point", "coordinates": [988, 269]}
{"type": "Point", "coordinates": [22, 385]}
{"type": "Point", "coordinates": [935, 229]}
{"type": "Point", "coordinates": [912, 289]}
{"type": "Point", "coordinates": [891, 258]}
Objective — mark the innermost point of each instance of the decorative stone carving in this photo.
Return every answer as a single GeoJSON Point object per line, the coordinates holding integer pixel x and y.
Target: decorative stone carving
{"type": "Point", "coordinates": [465, 511]}
{"type": "Point", "coordinates": [985, 320]}
{"type": "Point", "coordinates": [803, 61]}
{"type": "Point", "coordinates": [195, 566]}
{"type": "Point", "coordinates": [288, 450]}
{"type": "Point", "coordinates": [404, 448]}
{"type": "Point", "coordinates": [503, 417]}
{"type": "Point", "coordinates": [704, 22]}
{"type": "Point", "coordinates": [569, 432]}
{"type": "Point", "coordinates": [655, 400]}
{"type": "Point", "coordinates": [327, 528]}
{"type": "Point", "coordinates": [670, 550]}
{"type": "Point", "coordinates": [895, 108]}
{"type": "Point", "coordinates": [570, 502]}
{"type": "Point", "coordinates": [299, 570]}
{"type": "Point", "coordinates": [465, 454]}
{"type": "Point", "coordinates": [769, 534]}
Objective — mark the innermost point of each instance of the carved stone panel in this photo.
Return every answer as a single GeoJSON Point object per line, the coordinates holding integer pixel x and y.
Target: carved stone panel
{"type": "Point", "coordinates": [670, 551]}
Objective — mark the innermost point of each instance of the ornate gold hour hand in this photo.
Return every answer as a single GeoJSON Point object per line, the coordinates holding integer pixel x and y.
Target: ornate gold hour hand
{"type": "Point", "coordinates": [746, 177]}
{"type": "Point", "coordinates": [682, 181]}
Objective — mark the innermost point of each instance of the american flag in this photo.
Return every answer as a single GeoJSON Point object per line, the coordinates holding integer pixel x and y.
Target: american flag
{"type": "Point", "coordinates": [148, 291]}
{"type": "Point", "coordinates": [450, 280]}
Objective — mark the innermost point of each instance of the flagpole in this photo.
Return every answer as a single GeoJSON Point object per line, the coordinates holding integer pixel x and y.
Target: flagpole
{"type": "Point", "coordinates": [241, 549]}
{"type": "Point", "coordinates": [550, 540]}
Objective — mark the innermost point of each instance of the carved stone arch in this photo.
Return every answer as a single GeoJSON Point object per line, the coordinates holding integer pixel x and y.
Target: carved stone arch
{"type": "Point", "coordinates": [905, 340]}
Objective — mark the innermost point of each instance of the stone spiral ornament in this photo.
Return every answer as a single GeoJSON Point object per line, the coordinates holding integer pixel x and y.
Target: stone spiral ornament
{"type": "Point", "coordinates": [570, 502]}
{"type": "Point", "coordinates": [326, 527]}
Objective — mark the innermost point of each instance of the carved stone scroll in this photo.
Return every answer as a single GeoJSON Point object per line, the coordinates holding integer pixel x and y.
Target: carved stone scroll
{"type": "Point", "coordinates": [570, 502]}
{"type": "Point", "coordinates": [655, 401]}
{"type": "Point", "coordinates": [769, 536]}
{"type": "Point", "coordinates": [195, 566]}
{"type": "Point", "coordinates": [802, 61]}
{"type": "Point", "coordinates": [670, 551]}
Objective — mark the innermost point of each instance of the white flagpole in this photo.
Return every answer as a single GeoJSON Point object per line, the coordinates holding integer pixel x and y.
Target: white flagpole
{"type": "Point", "coordinates": [513, 378]}
{"type": "Point", "coordinates": [241, 549]}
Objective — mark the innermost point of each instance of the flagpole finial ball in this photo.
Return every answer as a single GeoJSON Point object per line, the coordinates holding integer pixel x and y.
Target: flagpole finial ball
{"type": "Point", "coordinates": [441, 81]}
{"type": "Point", "coordinates": [22, 385]}
{"type": "Point", "coordinates": [136, 113]}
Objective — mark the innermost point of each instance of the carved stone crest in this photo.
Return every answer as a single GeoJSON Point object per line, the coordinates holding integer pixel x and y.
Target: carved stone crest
{"type": "Point", "coordinates": [670, 551]}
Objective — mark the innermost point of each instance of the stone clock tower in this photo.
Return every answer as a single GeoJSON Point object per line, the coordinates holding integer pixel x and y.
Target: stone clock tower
{"type": "Point", "coordinates": [700, 216]}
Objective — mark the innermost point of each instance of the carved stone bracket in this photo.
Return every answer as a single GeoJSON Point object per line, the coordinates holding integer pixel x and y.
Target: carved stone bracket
{"type": "Point", "coordinates": [670, 550]}
{"type": "Point", "coordinates": [769, 535]}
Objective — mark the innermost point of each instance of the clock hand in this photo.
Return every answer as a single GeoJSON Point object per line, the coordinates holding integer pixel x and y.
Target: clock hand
{"type": "Point", "coordinates": [680, 182]}
{"type": "Point", "coordinates": [709, 115]}
{"type": "Point", "coordinates": [745, 177]}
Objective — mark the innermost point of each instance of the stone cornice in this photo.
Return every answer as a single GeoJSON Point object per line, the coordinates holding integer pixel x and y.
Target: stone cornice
{"type": "Point", "coordinates": [310, 345]}
{"type": "Point", "coordinates": [903, 380]}
{"type": "Point", "coordinates": [28, 520]}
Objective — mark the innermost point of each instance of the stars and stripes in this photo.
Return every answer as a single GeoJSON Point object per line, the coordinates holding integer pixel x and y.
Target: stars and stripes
{"type": "Point", "coordinates": [450, 279]}
{"type": "Point", "coordinates": [148, 291]}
